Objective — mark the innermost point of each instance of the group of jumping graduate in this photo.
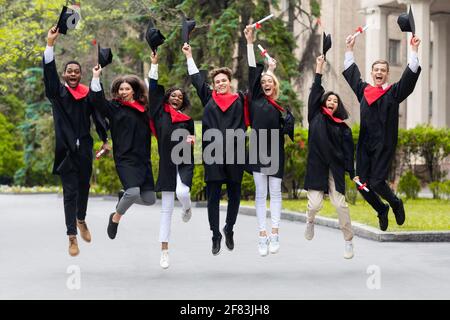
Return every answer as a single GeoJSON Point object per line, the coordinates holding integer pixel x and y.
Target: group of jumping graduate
{"type": "Point", "coordinates": [138, 110]}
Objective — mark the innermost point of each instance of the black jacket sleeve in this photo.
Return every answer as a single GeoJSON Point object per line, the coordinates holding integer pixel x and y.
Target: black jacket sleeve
{"type": "Point", "coordinates": [99, 120]}
{"type": "Point", "coordinates": [155, 99]}
{"type": "Point", "coordinates": [203, 90]}
{"type": "Point", "coordinates": [405, 86]}
{"type": "Point", "coordinates": [349, 151]}
{"type": "Point", "coordinates": [353, 77]}
{"type": "Point", "coordinates": [315, 96]}
{"type": "Point", "coordinates": [51, 79]}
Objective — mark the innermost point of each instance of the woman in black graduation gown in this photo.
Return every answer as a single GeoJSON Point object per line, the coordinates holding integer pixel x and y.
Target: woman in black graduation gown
{"type": "Point", "coordinates": [222, 110]}
{"type": "Point", "coordinates": [330, 154]}
{"type": "Point", "coordinates": [72, 108]}
{"type": "Point", "coordinates": [379, 127]}
{"type": "Point", "coordinates": [168, 112]}
{"type": "Point", "coordinates": [265, 115]}
{"type": "Point", "coordinates": [129, 121]}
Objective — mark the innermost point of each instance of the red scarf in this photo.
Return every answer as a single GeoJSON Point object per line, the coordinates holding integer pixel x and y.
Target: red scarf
{"type": "Point", "coordinates": [224, 101]}
{"type": "Point", "coordinates": [330, 115]}
{"type": "Point", "coordinates": [79, 92]}
{"type": "Point", "coordinates": [135, 105]}
{"type": "Point", "coordinates": [372, 94]}
{"type": "Point", "coordinates": [139, 107]}
{"type": "Point", "coordinates": [175, 115]}
{"type": "Point", "coordinates": [246, 112]}
{"type": "Point", "coordinates": [276, 105]}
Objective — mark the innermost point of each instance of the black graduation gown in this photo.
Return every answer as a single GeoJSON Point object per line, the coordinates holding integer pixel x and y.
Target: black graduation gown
{"type": "Point", "coordinates": [263, 115]}
{"type": "Point", "coordinates": [379, 123]}
{"type": "Point", "coordinates": [72, 122]}
{"type": "Point", "coordinates": [330, 145]}
{"type": "Point", "coordinates": [167, 176]}
{"type": "Point", "coordinates": [214, 118]}
{"type": "Point", "coordinates": [131, 136]}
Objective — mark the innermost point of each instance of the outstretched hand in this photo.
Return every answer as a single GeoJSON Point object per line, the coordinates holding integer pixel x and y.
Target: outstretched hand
{"type": "Point", "coordinates": [272, 65]}
{"type": "Point", "coordinates": [350, 42]}
{"type": "Point", "coordinates": [248, 32]}
{"type": "Point", "coordinates": [320, 62]}
{"type": "Point", "coordinates": [415, 42]}
{"type": "Point", "coordinates": [154, 58]}
{"type": "Point", "coordinates": [187, 50]}
{"type": "Point", "coordinates": [96, 71]}
{"type": "Point", "coordinates": [52, 35]}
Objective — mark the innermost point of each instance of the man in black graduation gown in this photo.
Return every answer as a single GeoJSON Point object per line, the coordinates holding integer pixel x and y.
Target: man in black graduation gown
{"type": "Point", "coordinates": [379, 127]}
{"type": "Point", "coordinates": [222, 110]}
{"type": "Point", "coordinates": [72, 109]}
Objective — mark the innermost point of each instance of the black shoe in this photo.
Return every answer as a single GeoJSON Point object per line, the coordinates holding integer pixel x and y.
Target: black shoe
{"type": "Point", "coordinates": [120, 195]}
{"type": "Point", "coordinates": [383, 218]}
{"type": "Point", "coordinates": [229, 239]}
{"type": "Point", "coordinates": [399, 212]}
{"type": "Point", "coordinates": [112, 227]}
{"type": "Point", "coordinates": [216, 245]}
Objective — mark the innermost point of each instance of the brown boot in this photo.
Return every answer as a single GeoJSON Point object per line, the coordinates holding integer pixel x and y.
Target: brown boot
{"type": "Point", "coordinates": [73, 246]}
{"type": "Point", "coordinates": [84, 231]}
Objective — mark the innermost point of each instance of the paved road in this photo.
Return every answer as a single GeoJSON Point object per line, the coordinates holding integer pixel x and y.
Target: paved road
{"type": "Point", "coordinates": [34, 260]}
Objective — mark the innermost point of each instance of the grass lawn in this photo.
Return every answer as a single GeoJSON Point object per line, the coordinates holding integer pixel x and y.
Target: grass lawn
{"type": "Point", "coordinates": [421, 214]}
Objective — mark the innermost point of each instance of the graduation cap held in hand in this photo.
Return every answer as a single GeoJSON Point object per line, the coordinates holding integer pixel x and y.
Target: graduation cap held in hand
{"type": "Point", "coordinates": [104, 56]}
{"type": "Point", "coordinates": [326, 43]}
{"type": "Point", "coordinates": [406, 22]}
{"type": "Point", "coordinates": [68, 19]}
{"type": "Point", "coordinates": [154, 37]}
{"type": "Point", "coordinates": [187, 27]}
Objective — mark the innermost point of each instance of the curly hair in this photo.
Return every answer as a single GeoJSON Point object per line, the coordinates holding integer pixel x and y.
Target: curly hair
{"type": "Point", "coordinates": [226, 71]}
{"type": "Point", "coordinates": [186, 103]}
{"type": "Point", "coordinates": [139, 88]}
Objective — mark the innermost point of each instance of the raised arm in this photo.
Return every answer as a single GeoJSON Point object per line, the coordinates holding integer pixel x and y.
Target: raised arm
{"type": "Point", "coordinates": [203, 90]}
{"type": "Point", "coordinates": [351, 71]}
{"type": "Point", "coordinates": [155, 92]}
{"type": "Point", "coordinates": [405, 86]}
{"type": "Point", "coordinates": [51, 78]}
{"type": "Point", "coordinates": [317, 91]}
{"type": "Point", "coordinates": [254, 70]}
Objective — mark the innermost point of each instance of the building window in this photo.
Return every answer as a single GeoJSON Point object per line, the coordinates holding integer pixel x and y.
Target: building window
{"type": "Point", "coordinates": [394, 52]}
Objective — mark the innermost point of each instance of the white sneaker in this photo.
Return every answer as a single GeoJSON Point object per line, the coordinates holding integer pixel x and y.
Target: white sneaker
{"type": "Point", "coordinates": [348, 253]}
{"type": "Point", "coordinates": [186, 215]}
{"type": "Point", "coordinates": [164, 262]}
{"type": "Point", "coordinates": [309, 231]}
{"type": "Point", "coordinates": [274, 245]}
{"type": "Point", "coordinates": [263, 246]}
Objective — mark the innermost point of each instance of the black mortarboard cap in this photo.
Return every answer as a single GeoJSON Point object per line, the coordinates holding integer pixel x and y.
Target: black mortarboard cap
{"type": "Point", "coordinates": [187, 27]}
{"type": "Point", "coordinates": [68, 19]}
{"type": "Point", "coordinates": [326, 41]}
{"type": "Point", "coordinates": [104, 56]}
{"type": "Point", "coordinates": [154, 37]}
{"type": "Point", "coordinates": [406, 22]}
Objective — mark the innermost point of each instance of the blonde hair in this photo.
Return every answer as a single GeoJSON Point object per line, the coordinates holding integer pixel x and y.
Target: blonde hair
{"type": "Point", "coordinates": [276, 89]}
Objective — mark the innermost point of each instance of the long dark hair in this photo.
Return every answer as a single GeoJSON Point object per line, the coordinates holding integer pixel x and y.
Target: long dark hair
{"type": "Point", "coordinates": [139, 88]}
{"type": "Point", "coordinates": [340, 112]}
{"type": "Point", "coordinates": [186, 103]}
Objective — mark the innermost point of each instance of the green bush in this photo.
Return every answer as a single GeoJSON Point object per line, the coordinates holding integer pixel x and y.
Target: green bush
{"type": "Point", "coordinates": [440, 189]}
{"type": "Point", "coordinates": [351, 193]}
{"type": "Point", "coordinates": [409, 185]}
{"type": "Point", "coordinates": [10, 151]}
{"type": "Point", "coordinates": [198, 183]}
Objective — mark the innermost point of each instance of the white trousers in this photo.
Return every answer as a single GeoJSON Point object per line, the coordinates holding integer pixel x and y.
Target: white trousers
{"type": "Point", "coordinates": [261, 182]}
{"type": "Point", "coordinates": [167, 203]}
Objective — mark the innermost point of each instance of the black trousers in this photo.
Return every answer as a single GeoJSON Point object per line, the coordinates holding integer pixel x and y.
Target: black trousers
{"type": "Point", "coordinates": [76, 186]}
{"type": "Point", "coordinates": [379, 188]}
{"type": "Point", "coordinates": [213, 193]}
